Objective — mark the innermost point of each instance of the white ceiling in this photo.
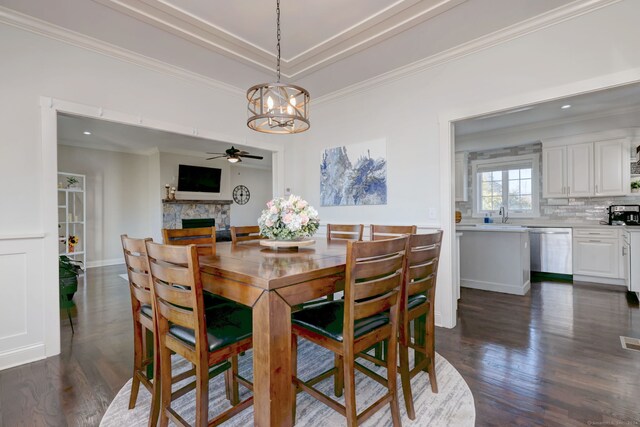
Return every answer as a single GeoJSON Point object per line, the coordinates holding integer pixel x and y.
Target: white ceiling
{"type": "Point", "coordinates": [139, 140]}
{"type": "Point", "coordinates": [326, 45]}
{"type": "Point", "coordinates": [622, 100]}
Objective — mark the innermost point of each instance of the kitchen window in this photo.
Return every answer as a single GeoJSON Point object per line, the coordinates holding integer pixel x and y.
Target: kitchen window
{"type": "Point", "coordinates": [511, 182]}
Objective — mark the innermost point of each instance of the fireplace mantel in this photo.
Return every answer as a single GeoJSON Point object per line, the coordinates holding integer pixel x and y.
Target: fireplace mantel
{"type": "Point", "coordinates": [198, 202]}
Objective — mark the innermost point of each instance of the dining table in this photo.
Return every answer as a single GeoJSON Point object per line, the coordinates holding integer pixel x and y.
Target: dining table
{"type": "Point", "coordinates": [273, 282]}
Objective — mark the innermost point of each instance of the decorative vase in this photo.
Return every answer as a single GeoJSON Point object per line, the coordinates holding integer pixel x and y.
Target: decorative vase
{"type": "Point", "coordinates": [287, 244]}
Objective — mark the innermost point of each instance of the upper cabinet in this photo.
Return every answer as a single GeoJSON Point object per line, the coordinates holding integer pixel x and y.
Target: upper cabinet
{"type": "Point", "coordinates": [585, 169]}
{"type": "Point", "coordinates": [610, 178]}
{"type": "Point", "coordinates": [461, 177]}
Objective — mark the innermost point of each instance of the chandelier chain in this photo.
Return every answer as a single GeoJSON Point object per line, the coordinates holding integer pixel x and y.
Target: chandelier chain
{"type": "Point", "coordinates": [278, 34]}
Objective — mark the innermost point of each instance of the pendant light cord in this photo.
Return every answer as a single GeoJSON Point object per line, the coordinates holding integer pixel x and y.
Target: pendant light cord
{"type": "Point", "coordinates": [278, 34]}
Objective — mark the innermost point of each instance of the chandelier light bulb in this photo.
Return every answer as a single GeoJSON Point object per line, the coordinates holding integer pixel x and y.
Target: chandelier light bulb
{"type": "Point", "coordinates": [292, 101]}
{"type": "Point", "coordinates": [269, 103]}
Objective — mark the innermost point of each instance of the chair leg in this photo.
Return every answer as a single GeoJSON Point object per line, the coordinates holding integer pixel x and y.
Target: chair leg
{"type": "Point", "coordinates": [137, 364]}
{"type": "Point", "coordinates": [392, 374]}
{"type": "Point", "coordinates": [202, 393]}
{"type": "Point", "coordinates": [338, 377]}
{"type": "Point", "coordinates": [165, 388]}
{"type": "Point", "coordinates": [155, 389]}
{"type": "Point", "coordinates": [420, 333]}
{"type": "Point", "coordinates": [431, 353]}
{"type": "Point", "coordinates": [406, 381]}
{"type": "Point", "coordinates": [350, 391]}
{"type": "Point", "coordinates": [294, 373]}
{"type": "Point", "coordinates": [234, 393]}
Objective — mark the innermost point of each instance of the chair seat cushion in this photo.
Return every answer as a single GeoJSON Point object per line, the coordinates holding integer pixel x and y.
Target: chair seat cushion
{"type": "Point", "coordinates": [416, 300]}
{"type": "Point", "coordinates": [226, 325]}
{"type": "Point", "coordinates": [327, 318]}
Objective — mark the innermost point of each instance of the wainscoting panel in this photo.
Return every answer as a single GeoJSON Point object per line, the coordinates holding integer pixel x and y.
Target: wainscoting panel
{"type": "Point", "coordinates": [21, 305]}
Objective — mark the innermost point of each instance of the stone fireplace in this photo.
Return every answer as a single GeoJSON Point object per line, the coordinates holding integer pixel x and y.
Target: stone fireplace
{"type": "Point", "coordinates": [174, 211]}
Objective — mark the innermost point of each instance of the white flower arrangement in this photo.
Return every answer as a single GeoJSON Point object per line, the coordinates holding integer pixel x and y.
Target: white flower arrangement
{"type": "Point", "coordinates": [287, 218]}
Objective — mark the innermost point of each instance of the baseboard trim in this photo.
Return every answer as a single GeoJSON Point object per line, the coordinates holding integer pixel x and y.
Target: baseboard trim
{"type": "Point", "coordinates": [104, 262]}
{"type": "Point", "coordinates": [22, 355]}
{"type": "Point", "coordinates": [504, 288]}
{"type": "Point", "coordinates": [594, 279]}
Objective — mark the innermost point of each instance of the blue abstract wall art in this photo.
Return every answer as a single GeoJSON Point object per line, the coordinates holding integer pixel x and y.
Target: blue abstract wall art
{"type": "Point", "coordinates": [354, 175]}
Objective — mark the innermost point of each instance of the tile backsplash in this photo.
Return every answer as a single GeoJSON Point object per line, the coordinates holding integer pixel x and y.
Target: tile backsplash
{"type": "Point", "coordinates": [575, 211]}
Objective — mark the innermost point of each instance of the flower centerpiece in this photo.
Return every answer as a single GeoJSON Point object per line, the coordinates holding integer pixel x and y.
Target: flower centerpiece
{"type": "Point", "coordinates": [288, 218]}
{"type": "Point", "coordinates": [73, 241]}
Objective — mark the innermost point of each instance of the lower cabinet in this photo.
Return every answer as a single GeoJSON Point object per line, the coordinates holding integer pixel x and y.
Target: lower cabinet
{"type": "Point", "coordinates": [596, 253]}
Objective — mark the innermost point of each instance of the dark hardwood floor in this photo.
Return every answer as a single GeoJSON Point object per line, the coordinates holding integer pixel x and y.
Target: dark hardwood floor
{"type": "Point", "coordinates": [550, 358]}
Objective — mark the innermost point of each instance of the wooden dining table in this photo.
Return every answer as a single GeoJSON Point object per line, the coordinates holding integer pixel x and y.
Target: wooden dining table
{"type": "Point", "coordinates": [273, 283]}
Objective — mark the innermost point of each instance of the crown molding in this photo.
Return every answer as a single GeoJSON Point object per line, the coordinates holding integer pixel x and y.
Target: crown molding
{"type": "Point", "coordinates": [542, 21]}
{"type": "Point", "coordinates": [52, 31]}
{"type": "Point", "coordinates": [369, 31]}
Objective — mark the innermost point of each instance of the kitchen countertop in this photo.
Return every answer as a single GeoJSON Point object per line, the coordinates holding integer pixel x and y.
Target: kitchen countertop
{"type": "Point", "coordinates": [539, 224]}
{"type": "Point", "coordinates": [493, 228]}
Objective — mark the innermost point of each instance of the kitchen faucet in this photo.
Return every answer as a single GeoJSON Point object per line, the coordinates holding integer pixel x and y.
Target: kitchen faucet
{"type": "Point", "coordinates": [503, 214]}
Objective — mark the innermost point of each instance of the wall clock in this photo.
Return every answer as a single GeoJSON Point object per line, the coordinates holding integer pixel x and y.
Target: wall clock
{"type": "Point", "coordinates": [241, 195]}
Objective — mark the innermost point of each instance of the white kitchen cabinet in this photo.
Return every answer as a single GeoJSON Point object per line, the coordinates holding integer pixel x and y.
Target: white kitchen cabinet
{"type": "Point", "coordinates": [461, 177]}
{"type": "Point", "coordinates": [610, 178]}
{"type": "Point", "coordinates": [586, 169]}
{"type": "Point", "coordinates": [596, 254]}
{"type": "Point", "coordinates": [580, 170]}
{"type": "Point", "coordinates": [554, 172]}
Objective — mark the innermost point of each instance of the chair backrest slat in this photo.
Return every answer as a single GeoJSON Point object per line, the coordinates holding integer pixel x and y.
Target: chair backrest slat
{"type": "Point", "coordinates": [373, 277]}
{"type": "Point", "coordinates": [422, 263]}
{"type": "Point", "coordinates": [245, 233]}
{"type": "Point", "coordinates": [177, 287]}
{"type": "Point", "coordinates": [204, 237]}
{"type": "Point", "coordinates": [370, 268]}
{"type": "Point", "coordinates": [382, 232]}
{"type": "Point", "coordinates": [176, 315]}
{"type": "Point", "coordinates": [345, 231]}
{"type": "Point", "coordinates": [376, 287]}
{"type": "Point", "coordinates": [376, 305]}
{"type": "Point", "coordinates": [137, 264]}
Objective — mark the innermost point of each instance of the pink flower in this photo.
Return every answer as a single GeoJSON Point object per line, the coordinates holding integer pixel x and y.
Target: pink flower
{"type": "Point", "coordinates": [287, 218]}
{"type": "Point", "coordinates": [270, 204]}
{"type": "Point", "coordinates": [268, 223]}
{"type": "Point", "coordinates": [304, 219]}
{"type": "Point", "coordinates": [302, 204]}
{"type": "Point", "coordinates": [273, 210]}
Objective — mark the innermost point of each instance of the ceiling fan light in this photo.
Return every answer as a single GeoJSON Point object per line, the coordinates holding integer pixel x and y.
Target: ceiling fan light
{"type": "Point", "coordinates": [233, 159]}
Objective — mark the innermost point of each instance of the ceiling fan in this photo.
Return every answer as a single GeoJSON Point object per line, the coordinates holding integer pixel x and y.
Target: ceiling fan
{"type": "Point", "coordinates": [234, 155]}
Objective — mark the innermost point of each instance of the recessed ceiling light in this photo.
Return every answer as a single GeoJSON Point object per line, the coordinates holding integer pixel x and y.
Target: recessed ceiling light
{"type": "Point", "coordinates": [86, 132]}
{"type": "Point", "coordinates": [564, 107]}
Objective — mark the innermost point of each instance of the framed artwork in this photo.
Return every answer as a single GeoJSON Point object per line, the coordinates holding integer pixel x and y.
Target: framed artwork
{"type": "Point", "coordinates": [354, 174]}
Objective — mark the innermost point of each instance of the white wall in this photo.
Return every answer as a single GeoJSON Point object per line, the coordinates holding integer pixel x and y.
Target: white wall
{"type": "Point", "coordinates": [34, 66]}
{"type": "Point", "coordinates": [117, 198]}
{"type": "Point", "coordinates": [169, 175]}
{"type": "Point", "coordinates": [406, 111]}
{"type": "Point", "coordinates": [258, 181]}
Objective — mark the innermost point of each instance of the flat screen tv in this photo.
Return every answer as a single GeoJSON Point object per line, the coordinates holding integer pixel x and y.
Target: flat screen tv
{"type": "Point", "coordinates": [198, 179]}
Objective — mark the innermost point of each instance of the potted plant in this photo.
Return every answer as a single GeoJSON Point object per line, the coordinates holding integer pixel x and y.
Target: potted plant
{"type": "Point", "coordinates": [68, 270]}
{"type": "Point", "coordinates": [72, 182]}
{"type": "Point", "coordinates": [635, 186]}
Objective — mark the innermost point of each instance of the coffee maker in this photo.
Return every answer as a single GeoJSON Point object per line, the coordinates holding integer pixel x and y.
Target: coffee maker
{"type": "Point", "coordinates": [624, 215]}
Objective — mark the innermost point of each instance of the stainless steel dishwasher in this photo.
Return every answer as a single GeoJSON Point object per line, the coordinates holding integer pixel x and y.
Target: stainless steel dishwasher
{"type": "Point", "coordinates": [551, 250]}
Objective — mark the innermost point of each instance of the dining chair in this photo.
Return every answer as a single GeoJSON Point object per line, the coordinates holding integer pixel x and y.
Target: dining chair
{"type": "Point", "coordinates": [367, 315]}
{"type": "Point", "coordinates": [380, 232]}
{"type": "Point", "coordinates": [135, 258]}
{"type": "Point", "coordinates": [203, 237]}
{"type": "Point", "coordinates": [417, 299]}
{"type": "Point", "coordinates": [207, 340]}
{"type": "Point", "coordinates": [245, 233]}
{"type": "Point", "coordinates": [344, 231]}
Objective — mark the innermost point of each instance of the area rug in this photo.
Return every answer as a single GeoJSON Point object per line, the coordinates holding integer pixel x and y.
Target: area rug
{"type": "Point", "coordinates": [452, 406]}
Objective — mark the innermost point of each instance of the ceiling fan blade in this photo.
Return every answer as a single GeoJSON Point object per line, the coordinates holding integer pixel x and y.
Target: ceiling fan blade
{"type": "Point", "coordinates": [249, 156]}
{"type": "Point", "coordinates": [218, 154]}
{"type": "Point", "coordinates": [217, 157]}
